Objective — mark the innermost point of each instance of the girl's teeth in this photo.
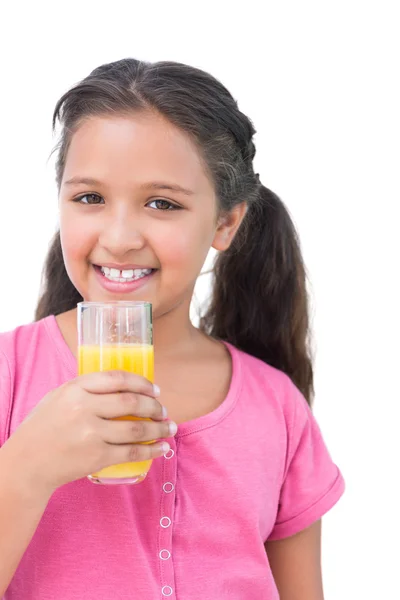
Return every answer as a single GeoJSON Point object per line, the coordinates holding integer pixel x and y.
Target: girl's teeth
{"type": "Point", "coordinates": [125, 275]}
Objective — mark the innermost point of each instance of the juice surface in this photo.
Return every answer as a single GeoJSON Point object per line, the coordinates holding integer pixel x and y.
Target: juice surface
{"type": "Point", "coordinates": [136, 358]}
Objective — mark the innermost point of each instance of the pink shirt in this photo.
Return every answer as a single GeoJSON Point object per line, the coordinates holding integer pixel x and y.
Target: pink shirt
{"type": "Point", "coordinates": [254, 469]}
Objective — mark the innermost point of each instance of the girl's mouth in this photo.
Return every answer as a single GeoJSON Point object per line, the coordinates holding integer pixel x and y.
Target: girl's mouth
{"type": "Point", "coordinates": [115, 280]}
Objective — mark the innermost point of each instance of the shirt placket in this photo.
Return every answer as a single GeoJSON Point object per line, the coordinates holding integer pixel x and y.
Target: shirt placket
{"type": "Point", "coordinates": [167, 504]}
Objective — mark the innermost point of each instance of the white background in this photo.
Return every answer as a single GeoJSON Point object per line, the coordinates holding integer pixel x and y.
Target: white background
{"type": "Point", "coordinates": [319, 80]}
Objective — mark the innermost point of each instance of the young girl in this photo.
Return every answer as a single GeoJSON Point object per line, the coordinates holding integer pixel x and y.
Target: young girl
{"type": "Point", "coordinates": [154, 167]}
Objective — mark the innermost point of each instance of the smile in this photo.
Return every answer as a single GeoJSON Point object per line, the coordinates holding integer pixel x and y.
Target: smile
{"type": "Point", "coordinates": [117, 281]}
{"type": "Point", "coordinates": [126, 275]}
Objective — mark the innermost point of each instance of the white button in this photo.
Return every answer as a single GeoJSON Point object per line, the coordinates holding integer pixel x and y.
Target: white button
{"type": "Point", "coordinates": [170, 455]}
{"type": "Point", "coordinates": [168, 483]}
{"type": "Point", "coordinates": [169, 522]}
{"type": "Point", "coordinates": [167, 590]}
{"type": "Point", "coordinates": [165, 557]}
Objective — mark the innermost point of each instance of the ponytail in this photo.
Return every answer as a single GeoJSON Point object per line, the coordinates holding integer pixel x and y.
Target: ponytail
{"type": "Point", "coordinates": [58, 293]}
{"type": "Point", "coordinates": [259, 300]}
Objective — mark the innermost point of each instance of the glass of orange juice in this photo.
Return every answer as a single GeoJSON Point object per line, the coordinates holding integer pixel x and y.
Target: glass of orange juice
{"type": "Point", "coordinates": [117, 335]}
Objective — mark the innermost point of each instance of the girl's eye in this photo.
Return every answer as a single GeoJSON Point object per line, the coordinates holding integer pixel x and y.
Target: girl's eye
{"type": "Point", "coordinates": [91, 199]}
{"type": "Point", "coordinates": [164, 205]}
{"type": "Point", "coordinates": [160, 203]}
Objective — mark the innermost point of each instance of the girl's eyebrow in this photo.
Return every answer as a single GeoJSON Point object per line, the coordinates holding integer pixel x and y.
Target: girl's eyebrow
{"type": "Point", "coordinates": [159, 185]}
{"type": "Point", "coordinates": [85, 180]}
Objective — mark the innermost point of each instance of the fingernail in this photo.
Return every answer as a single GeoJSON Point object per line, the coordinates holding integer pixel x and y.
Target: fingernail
{"type": "Point", "coordinates": [173, 428]}
{"type": "Point", "coordinates": [165, 447]}
{"type": "Point", "coordinates": [164, 412]}
{"type": "Point", "coordinates": [156, 390]}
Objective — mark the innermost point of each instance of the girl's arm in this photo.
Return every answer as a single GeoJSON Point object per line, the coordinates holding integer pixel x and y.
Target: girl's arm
{"type": "Point", "coordinates": [296, 564]}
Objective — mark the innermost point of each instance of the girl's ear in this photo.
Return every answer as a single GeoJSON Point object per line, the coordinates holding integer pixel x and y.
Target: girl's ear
{"type": "Point", "coordinates": [227, 226]}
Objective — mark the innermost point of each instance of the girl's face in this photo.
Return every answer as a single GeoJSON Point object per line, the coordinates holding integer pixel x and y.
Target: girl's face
{"type": "Point", "coordinates": [135, 196]}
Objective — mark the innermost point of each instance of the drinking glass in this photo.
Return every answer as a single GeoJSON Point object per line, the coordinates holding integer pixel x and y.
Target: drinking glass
{"type": "Point", "coordinates": [117, 335]}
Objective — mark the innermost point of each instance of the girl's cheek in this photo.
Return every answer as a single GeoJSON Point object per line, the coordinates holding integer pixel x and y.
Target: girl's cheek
{"type": "Point", "coordinates": [177, 249]}
{"type": "Point", "coordinates": [183, 254]}
{"type": "Point", "coordinates": [76, 242]}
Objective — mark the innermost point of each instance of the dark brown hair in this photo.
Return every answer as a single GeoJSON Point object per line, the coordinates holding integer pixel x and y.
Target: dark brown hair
{"type": "Point", "coordinates": [259, 301]}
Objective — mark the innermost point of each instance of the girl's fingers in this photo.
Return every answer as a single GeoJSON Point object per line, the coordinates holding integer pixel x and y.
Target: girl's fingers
{"type": "Point", "coordinates": [109, 406]}
{"type": "Point", "coordinates": [107, 382]}
{"type": "Point", "coordinates": [124, 453]}
{"type": "Point", "coordinates": [134, 431]}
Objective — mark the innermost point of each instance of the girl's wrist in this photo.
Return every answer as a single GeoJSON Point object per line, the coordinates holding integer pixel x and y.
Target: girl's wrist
{"type": "Point", "coordinates": [18, 473]}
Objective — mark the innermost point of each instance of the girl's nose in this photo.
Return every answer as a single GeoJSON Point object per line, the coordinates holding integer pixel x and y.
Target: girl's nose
{"type": "Point", "coordinates": [121, 235]}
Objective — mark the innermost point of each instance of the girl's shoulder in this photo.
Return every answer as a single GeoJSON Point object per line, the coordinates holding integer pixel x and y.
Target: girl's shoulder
{"type": "Point", "coordinates": [33, 360]}
{"type": "Point", "coordinates": [268, 384]}
{"type": "Point", "coordinates": [34, 347]}
{"type": "Point", "coordinates": [310, 482]}
{"type": "Point", "coordinates": [17, 343]}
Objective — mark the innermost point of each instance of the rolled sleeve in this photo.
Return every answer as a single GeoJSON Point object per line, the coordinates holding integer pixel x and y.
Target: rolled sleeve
{"type": "Point", "coordinates": [312, 482]}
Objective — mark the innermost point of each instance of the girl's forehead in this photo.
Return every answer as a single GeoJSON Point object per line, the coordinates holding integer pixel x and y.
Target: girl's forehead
{"type": "Point", "coordinates": [138, 133]}
{"type": "Point", "coordinates": [139, 145]}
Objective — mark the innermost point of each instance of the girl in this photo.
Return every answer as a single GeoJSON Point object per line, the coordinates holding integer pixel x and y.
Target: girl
{"type": "Point", "coordinates": [154, 167]}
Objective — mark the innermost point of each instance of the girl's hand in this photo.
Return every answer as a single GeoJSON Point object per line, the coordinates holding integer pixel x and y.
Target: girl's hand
{"type": "Point", "coordinates": [69, 434]}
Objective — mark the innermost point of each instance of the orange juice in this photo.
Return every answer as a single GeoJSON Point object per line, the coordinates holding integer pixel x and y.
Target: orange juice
{"type": "Point", "coordinates": [136, 358]}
